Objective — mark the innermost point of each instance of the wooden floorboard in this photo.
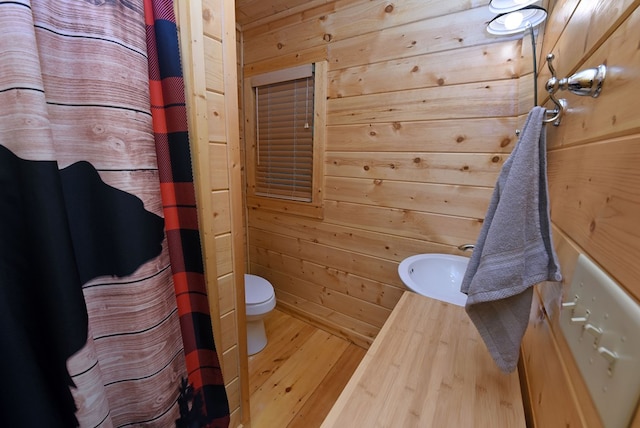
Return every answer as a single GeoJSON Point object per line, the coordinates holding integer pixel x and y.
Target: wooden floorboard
{"type": "Point", "coordinates": [296, 379]}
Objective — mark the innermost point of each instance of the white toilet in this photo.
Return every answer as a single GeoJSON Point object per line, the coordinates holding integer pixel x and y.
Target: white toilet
{"type": "Point", "coordinates": [260, 299]}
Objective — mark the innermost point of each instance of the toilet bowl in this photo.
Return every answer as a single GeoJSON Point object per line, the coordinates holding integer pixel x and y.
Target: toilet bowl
{"type": "Point", "coordinates": [260, 299]}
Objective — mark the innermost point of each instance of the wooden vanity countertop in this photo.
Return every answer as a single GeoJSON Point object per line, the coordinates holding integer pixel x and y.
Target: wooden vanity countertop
{"type": "Point", "coordinates": [428, 367]}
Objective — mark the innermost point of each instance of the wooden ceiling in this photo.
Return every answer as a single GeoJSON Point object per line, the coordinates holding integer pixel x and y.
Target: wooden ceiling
{"type": "Point", "coordinates": [261, 11]}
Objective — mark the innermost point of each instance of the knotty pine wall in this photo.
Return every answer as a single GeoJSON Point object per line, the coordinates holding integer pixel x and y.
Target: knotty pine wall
{"type": "Point", "coordinates": [594, 185]}
{"type": "Point", "coordinates": [208, 48]}
{"type": "Point", "coordinates": [422, 112]}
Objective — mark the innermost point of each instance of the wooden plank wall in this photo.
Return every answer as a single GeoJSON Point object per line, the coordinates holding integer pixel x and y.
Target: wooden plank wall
{"type": "Point", "coordinates": [422, 113]}
{"type": "Point", "coordinates": [594, 184]}
{"type": "Point", "coordinates": [208, 47]}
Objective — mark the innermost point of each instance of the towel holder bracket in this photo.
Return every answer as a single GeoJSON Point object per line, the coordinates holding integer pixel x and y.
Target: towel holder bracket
{"type": "Point", "coordinates": [587, 82]}
{"type": "Point", "coordinates": [584, 83]}
{"type": "Point", "coordinates": [557, 113]}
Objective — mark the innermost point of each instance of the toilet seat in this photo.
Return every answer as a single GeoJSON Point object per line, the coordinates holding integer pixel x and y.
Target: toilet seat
{"type": "Point", "coordinates": [258, 295]}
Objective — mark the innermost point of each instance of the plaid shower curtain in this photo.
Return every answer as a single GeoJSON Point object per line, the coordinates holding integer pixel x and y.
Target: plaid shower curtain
{"type": "Point", "coordinates": [178, 202]}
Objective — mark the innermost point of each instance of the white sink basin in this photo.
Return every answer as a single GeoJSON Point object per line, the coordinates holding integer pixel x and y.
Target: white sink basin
{"type": "Point", "coordinates": [437, 276]}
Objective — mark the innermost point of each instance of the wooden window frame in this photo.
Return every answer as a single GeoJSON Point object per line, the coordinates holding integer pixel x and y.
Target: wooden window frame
{"type": "Point", "coordinates": [313, 208]}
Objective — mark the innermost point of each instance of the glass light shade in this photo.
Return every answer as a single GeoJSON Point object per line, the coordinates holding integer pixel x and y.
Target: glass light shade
{"type": "Point", "coordinates": [513, 20]}
{"type": "Point", "coordinates": [506, 6]}
{"type": "Point", "coordinates": [517, 21]}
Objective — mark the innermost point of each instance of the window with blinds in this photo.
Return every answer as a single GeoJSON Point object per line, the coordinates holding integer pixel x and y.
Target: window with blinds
{"type": "Point", "coordinates": [284, 135]}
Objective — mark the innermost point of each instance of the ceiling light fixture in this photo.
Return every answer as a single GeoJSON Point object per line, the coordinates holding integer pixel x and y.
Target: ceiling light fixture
{"type": "Point", "coordinates": [515, 20]}
{"type": "Point", "coordinates": [506, 6]}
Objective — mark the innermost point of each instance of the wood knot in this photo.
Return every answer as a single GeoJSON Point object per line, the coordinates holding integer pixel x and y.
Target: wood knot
{"type": "Point", "coordinates": [206, 15]}
{"type": "Point", "coordinates": [440, 81]}
{"type": "Point", "coordinates": [417, 160]}
{"type": "Point", "coordinates": [279, 45]}
{"type": "Point", "coordinates": [366, 167]}
{"type": "Point", "coordinates": [396, 125]}
{"type": "Point", "coordinates": [323, 18]}
{"type": "Point", "coordinates": [415, 69]}
{"type": "Point", "coordinates": [505, 142]}
{"type": "Point", "coordinates": [460, 139]}
{"type": "Point", "coordinates": [495, 159]}
{"type": "Point", "coordinates": [592, 226]}
{"type": "Point", "coordinates": [327, 37]}
{"type": "Point", "coordinates": [373, 133]}
{"type": "Point", "coordinates": [389, 8]}
{"type": "Point", "coordinates": [377, 182]}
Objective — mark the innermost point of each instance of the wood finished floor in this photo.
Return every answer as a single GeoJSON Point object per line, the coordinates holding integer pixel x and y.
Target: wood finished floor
{"type": "Point", "coordinates": [296, 379]}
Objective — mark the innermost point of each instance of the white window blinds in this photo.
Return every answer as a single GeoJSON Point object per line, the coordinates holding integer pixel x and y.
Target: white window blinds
{"type": "Point", "coordinates": [284, 134]}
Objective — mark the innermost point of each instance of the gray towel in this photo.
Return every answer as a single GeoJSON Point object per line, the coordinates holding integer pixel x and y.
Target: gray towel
{"type": "Point", "coordinates": [514, 250]}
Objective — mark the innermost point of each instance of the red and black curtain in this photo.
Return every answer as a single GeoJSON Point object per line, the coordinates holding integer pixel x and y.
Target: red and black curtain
{"type": "Point", "coordinates": [179, 206]}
